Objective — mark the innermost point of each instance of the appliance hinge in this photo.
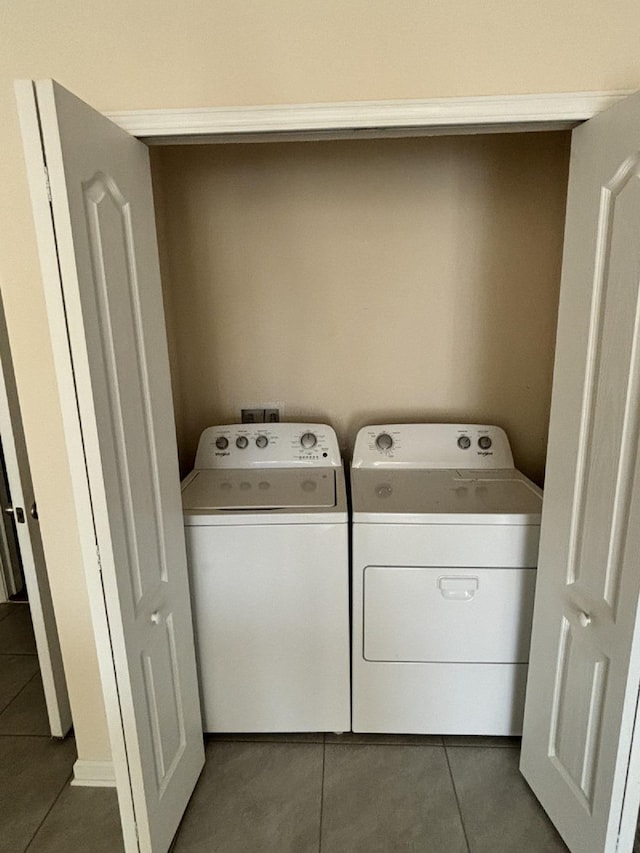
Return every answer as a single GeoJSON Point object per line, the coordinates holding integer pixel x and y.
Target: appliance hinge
{"type": "Point", "coordinates": [99, 560]}
{"type": "Point", "coordinates": [48, 183]}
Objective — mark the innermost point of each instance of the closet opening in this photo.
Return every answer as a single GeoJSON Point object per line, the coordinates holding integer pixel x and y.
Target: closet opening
{"type": "Point", "coordinates": [365, 280]}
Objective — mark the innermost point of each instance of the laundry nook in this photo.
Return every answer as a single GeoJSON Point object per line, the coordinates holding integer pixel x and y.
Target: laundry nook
{"type": "Point", "coordinates": [324, 323]}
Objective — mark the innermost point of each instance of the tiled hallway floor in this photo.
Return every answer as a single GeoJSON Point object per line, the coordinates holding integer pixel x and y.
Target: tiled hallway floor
{"type": "Point", "coordinates": [39, 810]}
{"type": "Point", "coordinates": [270, 794]}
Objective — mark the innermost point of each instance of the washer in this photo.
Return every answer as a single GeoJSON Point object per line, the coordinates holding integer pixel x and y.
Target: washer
{"type": "Point", "coordinates": [445, 544]}
{"type": "Point", "coordinates": [266, 525]}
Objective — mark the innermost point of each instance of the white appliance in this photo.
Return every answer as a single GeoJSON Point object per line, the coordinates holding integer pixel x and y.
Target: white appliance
{"type": "Point", "coordinates": [266, 525]}
{"type": "Point", "coordinates": [445, 544]}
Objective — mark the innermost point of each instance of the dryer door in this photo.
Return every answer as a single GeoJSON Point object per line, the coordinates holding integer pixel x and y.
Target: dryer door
{"type": "Point", "coordinates": [435, 615]}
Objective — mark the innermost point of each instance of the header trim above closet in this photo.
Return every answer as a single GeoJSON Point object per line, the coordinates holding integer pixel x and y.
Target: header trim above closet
{"type": "Point", "coordinates": [434, 116]}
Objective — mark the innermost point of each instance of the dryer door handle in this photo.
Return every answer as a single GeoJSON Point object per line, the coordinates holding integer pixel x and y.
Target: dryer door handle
{"type": "Point", "coordinates": [457, 587]}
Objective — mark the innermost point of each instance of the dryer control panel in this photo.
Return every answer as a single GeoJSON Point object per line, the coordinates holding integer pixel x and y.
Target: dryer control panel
{"type": "Point", "coordinates": [432, 446]}
{"type": "Point", "coordinates": [278, 445]}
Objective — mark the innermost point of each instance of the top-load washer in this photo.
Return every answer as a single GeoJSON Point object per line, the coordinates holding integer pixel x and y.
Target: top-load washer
{"type": "Point", "coordinates": [266, 526]}
{"type": "Point", "coordinates": [445, 544]}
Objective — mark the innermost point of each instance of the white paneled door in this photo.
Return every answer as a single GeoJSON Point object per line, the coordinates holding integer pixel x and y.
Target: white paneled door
{"type": "Point", "coordinates": [31, 556]}
{"type": "Point", "coordinates": [578, 750]}
{"type": "Point", "coordinates": [97, 242]}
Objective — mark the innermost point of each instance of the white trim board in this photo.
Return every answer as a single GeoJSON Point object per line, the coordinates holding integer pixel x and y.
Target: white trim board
{"type": "Point", "coordinates": [481, 114]}
{"type": "Point", "coordinates": [93, 774]}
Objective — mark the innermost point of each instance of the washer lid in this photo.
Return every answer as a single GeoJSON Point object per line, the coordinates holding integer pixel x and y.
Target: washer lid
{"type": "Point", "coordinates": [250, 489]}
{"type": "Point", "coordinates": [445, 496]}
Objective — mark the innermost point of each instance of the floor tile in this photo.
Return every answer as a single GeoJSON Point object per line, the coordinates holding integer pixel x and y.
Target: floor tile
{"type": "Point", "coordinates": [398, 740]}
{"type": "Point", "coordinates": [389, 799]}
{"type": "Point", "coordinates": [499, 811]}
{"type": "Point", "coordinates": [33, 771]}
{"type": "Point", "coordinates": [476, 740]}
{"type": "Point", "coordinates": [15, 672]}
{"type": "Point", "coordinates": [16, 632]}
{"type": "Point", "coordinates": [5, 609]}
{"type": "Point", "coordinates": [261, 797]}
{"type": "Point", "coordinates": [27, 713]}
{"type": "Point", "coordinates": [81, 819]}
{"type": "Point", "coordinates": [269, 737]}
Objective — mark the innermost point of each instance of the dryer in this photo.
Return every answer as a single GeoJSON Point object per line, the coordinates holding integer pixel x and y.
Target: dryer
{"type": "Point", "coordinates": [266, 526]}
{"type": "Point", "coordinates": [445, 543]}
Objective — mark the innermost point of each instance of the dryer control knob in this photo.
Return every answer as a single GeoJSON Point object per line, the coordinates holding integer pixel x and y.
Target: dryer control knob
{"type": "Point", "coordinates": [384, 441]}
{"type": "Point", "coordinates": [484, 442]}
{"type": "Point", "coordinates": [222, 443]}
{"type": "Point", "coordinates": [262, 441]}
{"type": "Point", "coordinates": [242, 441]}
{"type": "Point", "coordinates": [464, 442]}
{"type": "Point", "coordinates": [308, 440]}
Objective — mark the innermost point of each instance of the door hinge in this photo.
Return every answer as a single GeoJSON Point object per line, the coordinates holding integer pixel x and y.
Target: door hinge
{"type": "Point", "coordinates": [99, 560]}
{"type": "Point", "coordinates": [48, 184]}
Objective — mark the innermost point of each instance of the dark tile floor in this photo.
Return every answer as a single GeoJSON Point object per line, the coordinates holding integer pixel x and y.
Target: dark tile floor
{"type": "Point", "coordinates": [364, 794]}
{"type": "Point", "coordinates": [39, 810]}
{"type": "Point", "coordinates": [269, 793]}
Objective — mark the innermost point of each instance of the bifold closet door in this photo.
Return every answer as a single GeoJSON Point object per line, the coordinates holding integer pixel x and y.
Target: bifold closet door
{"type": "Point", "coordinates": [97, 242]}
{"type": "Point", "coordinates": [579, 752]}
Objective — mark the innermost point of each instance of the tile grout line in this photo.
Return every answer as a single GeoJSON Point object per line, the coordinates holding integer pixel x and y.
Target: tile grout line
{"type": "Point", "coordinates": [26, 734]}
{"type": "Point", "coordinates": [10, 611]}
{"type": "Point", "coordinates": [324, 755]}
{"type": "Point", "coordinates": [22, 689]}
{"type": "Point", "coordinates": [49, 810]}
{"type": "Point", "coordinates": [18, 654]}
{"type": "Point", "coordinates": [455, 794]}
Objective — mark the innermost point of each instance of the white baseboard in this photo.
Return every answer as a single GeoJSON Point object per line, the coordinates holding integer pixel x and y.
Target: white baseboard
{"type": "Point", "coordinates": [94, 774]}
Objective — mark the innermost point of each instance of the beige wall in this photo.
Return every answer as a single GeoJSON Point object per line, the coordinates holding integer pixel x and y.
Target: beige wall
{"type": "Point", "coordinates": [365, 281]}
{"type": "Point", "coordinates": [145, 53]}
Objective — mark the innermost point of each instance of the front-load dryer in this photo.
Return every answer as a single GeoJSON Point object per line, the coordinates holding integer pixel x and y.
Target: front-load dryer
{"type": "Point", "coordinates": [266, 526]}
{"type": "Point", "coordinates": [445, 544]}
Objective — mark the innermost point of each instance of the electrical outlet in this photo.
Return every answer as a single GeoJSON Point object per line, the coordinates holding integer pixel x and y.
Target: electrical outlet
{"type": "Point", "coordinates": [252, 416]}
{"type": "Point", "coordinates": [271, 416]}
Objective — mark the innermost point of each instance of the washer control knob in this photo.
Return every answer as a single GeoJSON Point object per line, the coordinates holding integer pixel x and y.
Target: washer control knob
{"type": "Point", "coordinates": [262, 441]}
{"type": "Point", "coordinates": [484, 442]}
{"type": "Point", "coordinates": [384, 441]}
{"type": "Point", "coordinates": [242, 441]}
{"type": "Point", "coordinates": [222, 443]}
{"type": "Point", "coordinates": [464, 442]}
{"type": "Point", "coordinates": [308, 440]}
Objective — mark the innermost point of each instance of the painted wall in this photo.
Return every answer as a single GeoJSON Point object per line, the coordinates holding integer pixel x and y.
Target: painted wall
{"type": "Point", "coordinates": [145, 53]}
{"type": "Point", "coordinates": [365, 281]}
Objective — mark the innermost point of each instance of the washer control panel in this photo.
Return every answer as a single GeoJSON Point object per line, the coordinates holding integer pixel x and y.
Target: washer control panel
{"type": "Point", "coordinates": [278, 445]}
{"type": "Point", "coordinates": [432, 446]}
